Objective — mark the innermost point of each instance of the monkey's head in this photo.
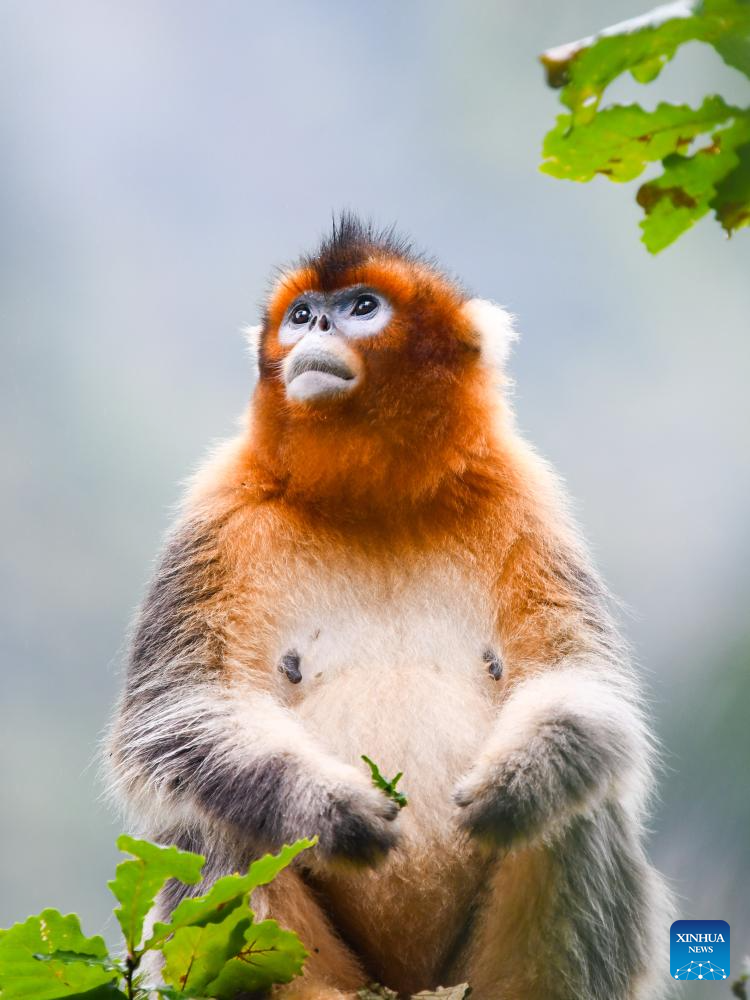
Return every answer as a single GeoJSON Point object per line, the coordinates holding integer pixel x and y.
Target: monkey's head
{"type": "Point", "coordinates": [377, 374]}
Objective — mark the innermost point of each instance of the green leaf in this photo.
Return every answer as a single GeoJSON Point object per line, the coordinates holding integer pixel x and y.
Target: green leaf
{"type": "Point", "coordinates": [687, 189]}
{"type": "Point", "coordinates": [733, 44]}
{"type": "Point", "coordinates": [268, 955]}
{"type": "Point", "coordinates": [137, 883]}
{"type": "Point", "coordinates": [642, 46]}
{"type": "Point", "coordinates": [620, 141]}
{"type": "Point", "coordinates": [226, 893]}
{"type": "Point", "coordinates": [732, 200]}
{"type": "Point", "coordinates": [195, 956]}
{"type": "Point", "coordinates": [105, 961]}
{"type": "Point", "coordinates": [389, 787]}
{"type": "Point", "coordinates": [30, 970]}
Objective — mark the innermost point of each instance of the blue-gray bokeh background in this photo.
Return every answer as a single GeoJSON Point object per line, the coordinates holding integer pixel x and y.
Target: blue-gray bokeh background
{"type": "Point", "coordinates": [157, 158]}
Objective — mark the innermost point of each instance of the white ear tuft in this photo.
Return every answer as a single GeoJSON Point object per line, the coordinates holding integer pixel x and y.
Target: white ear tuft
{"type": "Point", "coordinates": [252, 338]}
{"type": "Point", "coordinates": [494, 327]}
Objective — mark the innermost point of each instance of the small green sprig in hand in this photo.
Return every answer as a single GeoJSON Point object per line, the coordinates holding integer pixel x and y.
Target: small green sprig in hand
{"type": "Point", "coordinates": [389, 787]}
{"type": "Point", "coordinates": [212, 945]}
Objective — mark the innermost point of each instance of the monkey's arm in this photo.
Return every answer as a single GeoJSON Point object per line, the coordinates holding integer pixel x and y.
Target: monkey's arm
{"type": "Point", "coordinates": [570, 734]}
{"type": "Point", "coordinates": [200, 740]}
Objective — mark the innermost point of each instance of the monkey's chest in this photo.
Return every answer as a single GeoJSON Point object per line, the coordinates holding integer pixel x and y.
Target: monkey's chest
{"type": "Point", "coordinates": [397, 670]}
{"type": "Point", "coordinates": [394, 668]}
{"type": "Point", "coordinates": [337, 621]}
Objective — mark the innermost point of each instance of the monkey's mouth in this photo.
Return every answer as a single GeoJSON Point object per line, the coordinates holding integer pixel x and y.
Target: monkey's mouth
{"type": "Point", "coordinates": [317, 374]}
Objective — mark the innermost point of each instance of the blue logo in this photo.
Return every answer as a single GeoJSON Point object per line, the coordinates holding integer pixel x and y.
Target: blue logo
{"type": "Point", "coordinates": [699, 949]}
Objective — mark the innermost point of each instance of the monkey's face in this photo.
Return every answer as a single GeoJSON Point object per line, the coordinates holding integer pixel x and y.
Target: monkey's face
{"type": "Point", "coordinates": [322, 329]}
{"type": "Point", "coordinates": [382, 340]}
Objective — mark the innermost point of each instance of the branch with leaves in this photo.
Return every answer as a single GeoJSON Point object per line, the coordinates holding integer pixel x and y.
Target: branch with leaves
{"type": "Point", "coordinates": [212, 945]}
{"type": "Point", "coordinates": [704, 152]}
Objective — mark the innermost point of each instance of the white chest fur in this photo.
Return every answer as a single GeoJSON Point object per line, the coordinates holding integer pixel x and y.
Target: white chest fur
{"type": "Point", "coordinates": [357, 618]}
{"type": "Point", "coordinates": [392, 666]}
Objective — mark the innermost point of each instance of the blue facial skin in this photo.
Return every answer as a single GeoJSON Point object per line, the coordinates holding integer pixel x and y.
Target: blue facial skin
{"type": "Point", "coordinates": [352, 312]}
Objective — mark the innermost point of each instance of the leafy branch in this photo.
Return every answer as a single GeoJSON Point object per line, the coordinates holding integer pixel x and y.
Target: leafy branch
{"type": "Point", "coordinates": [212, 945]}
{"type": "Point", "coordinates": [704, 152]}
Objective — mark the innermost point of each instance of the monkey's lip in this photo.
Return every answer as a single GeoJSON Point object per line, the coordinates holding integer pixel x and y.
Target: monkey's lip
{"type": "Point", "coordinates": [315, 375]}
{"type": "Point", "coordinates": [325, 364]}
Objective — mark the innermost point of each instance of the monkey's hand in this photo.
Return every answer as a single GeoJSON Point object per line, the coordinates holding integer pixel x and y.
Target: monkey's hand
{"type": "Point", "coordinates": [561, 742]}
{"type": "Point", "coordinates": [279, 798]}
{"type": "Point", "coordinates": [353, 820]}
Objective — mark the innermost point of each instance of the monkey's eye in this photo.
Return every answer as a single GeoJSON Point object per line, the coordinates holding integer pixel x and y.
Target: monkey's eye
{"type": "Point", "coordinates": [301, 314]}
{"type": "Point", "coordinates": [360, 313]}
{"type": "Point", "coordinates": [365, 305]}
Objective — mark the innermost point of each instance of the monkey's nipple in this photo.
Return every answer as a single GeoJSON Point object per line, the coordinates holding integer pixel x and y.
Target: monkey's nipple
{"type": "Point", "coordinates": [494, 663]}
{"type": "Point", "coordinates": [289, 665]}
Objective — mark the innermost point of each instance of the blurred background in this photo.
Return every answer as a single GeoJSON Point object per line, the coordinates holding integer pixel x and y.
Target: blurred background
{"type": "Point", "coordinates": [156, 160]}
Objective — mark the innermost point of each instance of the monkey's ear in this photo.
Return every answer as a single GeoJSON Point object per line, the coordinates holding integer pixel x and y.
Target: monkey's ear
{"type": "Point", "coordinates": [494, 327]}
{"type": "Point", "coordinates": [252, 339]}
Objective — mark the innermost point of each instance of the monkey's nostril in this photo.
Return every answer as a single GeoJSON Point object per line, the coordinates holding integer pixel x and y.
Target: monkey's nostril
{"type": "Point", "coordinates": [325, 323]}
